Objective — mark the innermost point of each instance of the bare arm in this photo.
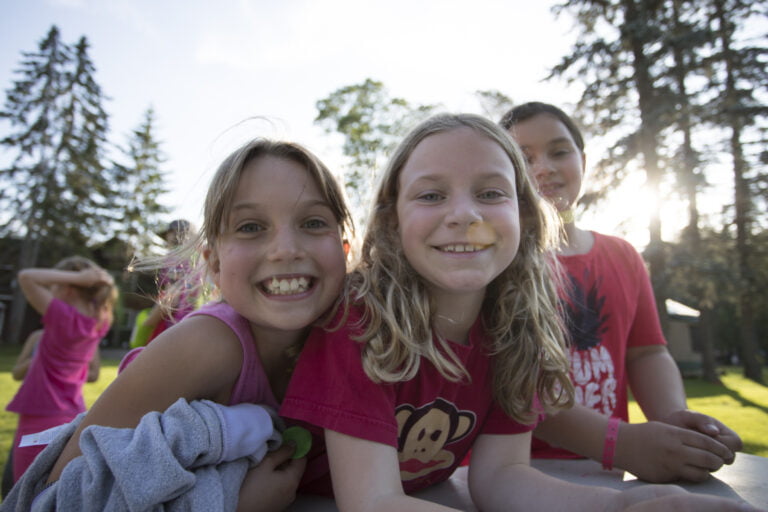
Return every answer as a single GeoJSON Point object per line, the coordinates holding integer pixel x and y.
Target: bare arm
{"type": "Point", "coordinates": [196, 359]}
{"type": "Point", "coordinates": [25, 357]}
{"type": "Point", "coordinates": [366, 476]}
{"type": "Point", "coordinates": [500, 479]}
{"type": "Point", "coordinates": [94, 366]}
{"type": "Point", "coordinates": [155, 315]}
{"type": "Point", "coordinates": [652, 451]}
{"type": "Point", "coordinates": [36, 283]}
{"type": "Point", "coordinates": [655, 381]}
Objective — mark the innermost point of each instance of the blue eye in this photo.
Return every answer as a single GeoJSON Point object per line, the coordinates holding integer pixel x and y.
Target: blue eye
{"type": "Point", "coordinates": [249, 227]}
{"type": "Point", "coordinates": [430, 197]}
{"type": "Point", "coordinates": [316, 224]}
{"type": "Point", "coordinates": [491, 194]}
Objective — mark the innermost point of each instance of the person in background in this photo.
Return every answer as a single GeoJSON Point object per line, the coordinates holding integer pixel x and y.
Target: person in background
{"type": "Point", "coordinates": [172, 305]}
{"type": "Point", "coordinates": [76, 300]}
{"type": "Point", "coordinates": [19, 371]}
{"type": "Point", "coordinates": [616, 337]}
{"type": "Point", "coordinates": [449, 339]}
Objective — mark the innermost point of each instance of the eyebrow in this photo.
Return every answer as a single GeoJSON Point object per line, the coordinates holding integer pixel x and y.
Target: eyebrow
{"type": "Point", "coordinates": [557, 140]}
{"type": "Point", "coordinates": [306, 203]}
{"type": "Point", "coordinates": [436, 177]}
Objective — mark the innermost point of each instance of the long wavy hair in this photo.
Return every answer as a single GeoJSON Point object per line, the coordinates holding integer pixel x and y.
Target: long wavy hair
{"type": "Point", "coordinates": [520, 312]}
{"type": "Point", "coordinates": [101, 298]}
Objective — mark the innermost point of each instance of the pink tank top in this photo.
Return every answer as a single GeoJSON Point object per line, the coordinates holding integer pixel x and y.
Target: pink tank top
{"type": "Point", "coordinates": [252, 385]}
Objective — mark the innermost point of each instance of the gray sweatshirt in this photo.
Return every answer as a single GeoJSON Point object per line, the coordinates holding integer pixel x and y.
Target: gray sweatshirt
{"type": "Point", "coordinates": [193, 456]}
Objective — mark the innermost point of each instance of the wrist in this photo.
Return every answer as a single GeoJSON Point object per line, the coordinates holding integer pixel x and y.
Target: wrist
{"type": "Point", "coordinates": [609, 445]}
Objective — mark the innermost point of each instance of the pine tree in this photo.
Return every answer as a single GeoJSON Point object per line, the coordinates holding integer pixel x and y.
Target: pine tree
{"type": "Point", "coordinates": [617, 58]}
{"type": "Point", "coordinates": [54, 192]}
{"type": "Point", "coordinates": [741, 79]}
{"type": "Point", "coordinates": [661, 75]}
{"type": "Point", "coordinates": [141, 183]}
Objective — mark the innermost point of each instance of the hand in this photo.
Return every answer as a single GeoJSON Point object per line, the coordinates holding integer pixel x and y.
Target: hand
{"type": "Point", "coordinates": [660, 452]}
{"type": "Point", "coordinates": [272, 484]}
{"type": "Point", "coordinates": [660, 498]}
{"type": "Point", "coordinates": [706, 425]}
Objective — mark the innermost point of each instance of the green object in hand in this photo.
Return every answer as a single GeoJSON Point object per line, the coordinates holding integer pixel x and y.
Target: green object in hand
{"type": "Point", "coordinates": [301, 438]}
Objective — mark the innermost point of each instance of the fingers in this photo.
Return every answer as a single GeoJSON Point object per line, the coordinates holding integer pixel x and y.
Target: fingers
{"type": "Point", "coordinates": [707, 425]}
{"type": "Point", "coordinates": [278, 457]}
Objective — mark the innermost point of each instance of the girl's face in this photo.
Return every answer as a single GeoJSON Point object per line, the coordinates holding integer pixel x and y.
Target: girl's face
{"type": "Point", "coordinates": [279, 261]}
{"type": "Point", "coordinates": [554, 161]}
{"type": "Point", "coordinates": [457, 211]}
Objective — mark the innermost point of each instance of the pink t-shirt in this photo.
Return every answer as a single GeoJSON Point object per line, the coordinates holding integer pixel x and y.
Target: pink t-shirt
{"type": "Point", "coordinates": [610, 307]}
{"type": "Point", "coordinates": [431, 421]}
{"type": "Point", "coordinates": [54, 382]}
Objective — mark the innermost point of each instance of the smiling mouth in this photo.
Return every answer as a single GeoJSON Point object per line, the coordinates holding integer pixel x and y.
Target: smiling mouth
{"type": "Point", "coordinates": [461, 248]}
{"type": "Point", "coordinates": [548, 189]}
{"type": "Point", "coordinates": [288, 286]}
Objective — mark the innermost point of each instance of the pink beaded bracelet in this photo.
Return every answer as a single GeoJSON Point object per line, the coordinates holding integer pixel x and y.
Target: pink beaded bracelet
{"type": "Point", "coordinates": [611, 433]}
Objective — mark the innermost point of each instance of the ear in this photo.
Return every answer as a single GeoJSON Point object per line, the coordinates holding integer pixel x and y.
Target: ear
{"type": "Point", "coordinates": [212, 260]}
{"type": "Point", "coordinates": [583, 163]}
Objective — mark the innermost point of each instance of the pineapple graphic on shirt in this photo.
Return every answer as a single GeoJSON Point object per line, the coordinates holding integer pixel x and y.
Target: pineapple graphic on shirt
{"type": "Point", "coordinates": [592, 369]}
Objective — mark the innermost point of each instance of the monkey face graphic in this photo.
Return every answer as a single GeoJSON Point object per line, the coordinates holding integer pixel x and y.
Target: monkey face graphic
{"type": "Point", "coordinates": [423, 434]}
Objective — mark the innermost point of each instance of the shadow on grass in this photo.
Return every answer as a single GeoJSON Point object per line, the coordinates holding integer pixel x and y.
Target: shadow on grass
{"type": "Point", "coordinates": [702, 389]}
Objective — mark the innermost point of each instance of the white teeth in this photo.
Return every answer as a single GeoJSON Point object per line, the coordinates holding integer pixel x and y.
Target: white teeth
{"type": "Point", "coordinates": [462, 248]}
{"type": "Point", "coordinates": [287, 286]}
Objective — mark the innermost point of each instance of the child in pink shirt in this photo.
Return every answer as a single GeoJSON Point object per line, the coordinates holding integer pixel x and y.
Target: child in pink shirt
{"type": "Point", "coordinates": [76, 298]}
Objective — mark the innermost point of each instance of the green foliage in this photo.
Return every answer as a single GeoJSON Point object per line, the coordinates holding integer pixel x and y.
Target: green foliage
{"type": "Point", "coordinates": [371, 123]}
{"type": "Point", "coordinates": [56, 188]}
{"type": "Point", "coordinates": [494, 104]}
{"type": "Point", "coordinates": [738, 402]}
{"type": "Point", "coordinates": [676, 89]}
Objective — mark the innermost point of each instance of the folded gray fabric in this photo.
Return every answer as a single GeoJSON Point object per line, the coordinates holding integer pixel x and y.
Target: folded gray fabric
{"type": "Point", "coordinates": [168, 462]}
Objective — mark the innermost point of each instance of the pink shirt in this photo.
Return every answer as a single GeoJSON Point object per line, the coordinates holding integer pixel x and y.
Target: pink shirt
{"type": "Point", "coordinates": [54, 382]}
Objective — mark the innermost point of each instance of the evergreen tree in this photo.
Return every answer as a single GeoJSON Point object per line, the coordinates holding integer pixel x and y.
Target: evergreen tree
{"type": "Point", "coordinates": [140, 184]}
{"type": "Point", "coordinates": [661, 75]}
{"type": "Point", "coordinates": [617, 57]}
{"type": "Point", "coordinates": [740, 79]}
{"type": "Point", "coordinates": [54, 192]}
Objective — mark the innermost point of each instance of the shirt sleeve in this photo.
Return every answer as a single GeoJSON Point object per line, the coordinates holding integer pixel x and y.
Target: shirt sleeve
{"type": "Point", "coordinates": [329, 389]}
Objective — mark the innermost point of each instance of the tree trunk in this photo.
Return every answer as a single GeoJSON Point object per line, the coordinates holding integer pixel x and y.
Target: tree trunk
{"type": "Point", "coordinates": [30, 249]}
{"type": "Point", "coordinates": [635, 19]}
{"type": "Point", "coordinates": [743, 203]}
{"type": "Point", "coordinates": [692, 231]}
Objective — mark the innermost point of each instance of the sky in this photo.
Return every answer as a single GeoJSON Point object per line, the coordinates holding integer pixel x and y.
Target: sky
{"type": "Point", "coordinates": [219, 73]}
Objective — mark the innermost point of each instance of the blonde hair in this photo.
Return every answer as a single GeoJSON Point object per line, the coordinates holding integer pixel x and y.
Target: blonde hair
{"type": "Point", "coordinates": [101, 297]}
{"type": "Point", "coordinates": [221, 193]}
{"type": "Point", "coordinates": [520, 312]}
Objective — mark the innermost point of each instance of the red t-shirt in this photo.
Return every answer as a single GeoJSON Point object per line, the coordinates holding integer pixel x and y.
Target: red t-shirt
{"type": "Point", "coordinates": [431, 421]}
{"type": "Point", "coordinates": [610, 307]}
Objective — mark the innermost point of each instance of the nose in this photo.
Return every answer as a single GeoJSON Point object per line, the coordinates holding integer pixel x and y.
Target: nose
{"type": "Point", "coordinates": [463, 211]}
{"type": "Point", "coordinates": [540, 167]}
{"type": "Point", "coordinates": [285, 245]}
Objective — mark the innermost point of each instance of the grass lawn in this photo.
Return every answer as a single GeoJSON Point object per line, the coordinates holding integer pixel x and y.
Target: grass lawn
{"type": "Point", "coordinates": [739, 403]}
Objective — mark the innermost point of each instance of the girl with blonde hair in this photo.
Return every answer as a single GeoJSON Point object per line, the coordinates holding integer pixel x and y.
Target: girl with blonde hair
{"type": "Point", "coordinates": [449, 338]}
